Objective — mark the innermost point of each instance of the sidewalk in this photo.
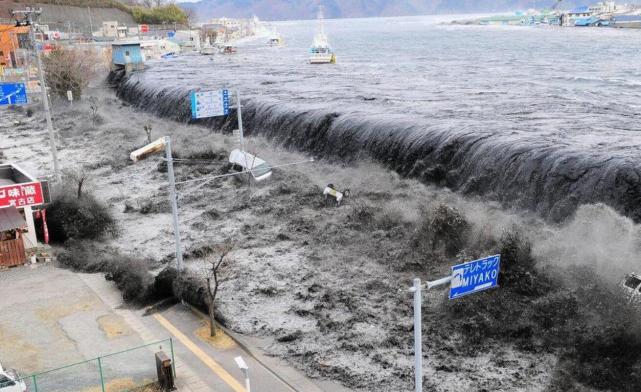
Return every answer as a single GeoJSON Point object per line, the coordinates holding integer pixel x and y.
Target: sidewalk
{"type": "Point", "coordinates": [200, 365]}
{"type": "Point", "coordinates": [187, 380]}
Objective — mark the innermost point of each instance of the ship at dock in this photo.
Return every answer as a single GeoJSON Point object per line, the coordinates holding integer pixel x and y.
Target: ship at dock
{"type": "Point", "coordinates": [321, 52]}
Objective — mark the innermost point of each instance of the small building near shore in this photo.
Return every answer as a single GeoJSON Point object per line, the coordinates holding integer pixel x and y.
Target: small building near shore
{"type": "Point", "coordinates": [20, 193]}
{"type": "Point", "coordinates": [127, 55]}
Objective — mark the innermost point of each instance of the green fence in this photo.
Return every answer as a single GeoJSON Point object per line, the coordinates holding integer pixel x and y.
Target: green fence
{"type": "Point", "coordinates": [123, 371]}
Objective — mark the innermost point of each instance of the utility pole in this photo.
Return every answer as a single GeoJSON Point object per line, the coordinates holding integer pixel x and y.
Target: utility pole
{"type": "Point", "coordinates": [90, 22]}
{"type": "Point", "coordinates": [28, 14]}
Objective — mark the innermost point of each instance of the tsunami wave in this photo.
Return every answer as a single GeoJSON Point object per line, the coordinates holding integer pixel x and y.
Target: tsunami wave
{"type": "Point", "coordinates": [547, 177]}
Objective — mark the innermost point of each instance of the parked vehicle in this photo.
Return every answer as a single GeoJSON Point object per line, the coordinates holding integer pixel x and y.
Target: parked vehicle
{"type": "Point", "coordinates": [631, 286]}
{"type": "Point", "coordinates": [10, 381]}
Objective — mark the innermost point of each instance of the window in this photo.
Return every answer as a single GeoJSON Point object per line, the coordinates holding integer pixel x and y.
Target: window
{"type": "Point", "coordinates": [261, 170]}
{"type": "Point", "coordinates": [632, 282]}
{"type": "Point", "coordinates": [127, 53]}
{"type": "Point", "coordinates": [24, 42]}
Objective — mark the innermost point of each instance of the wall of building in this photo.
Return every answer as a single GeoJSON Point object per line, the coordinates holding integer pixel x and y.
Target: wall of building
{"type": "Point", "coordinates": [9, 42]}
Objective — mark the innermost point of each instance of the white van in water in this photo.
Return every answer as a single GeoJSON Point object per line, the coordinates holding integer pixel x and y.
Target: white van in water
{"type": "Point", "coordinates": [631, 285]}
{"type": "Point", "coordinates": [10, 381]}
{"type": "Point", "coordinates": [244, 161]}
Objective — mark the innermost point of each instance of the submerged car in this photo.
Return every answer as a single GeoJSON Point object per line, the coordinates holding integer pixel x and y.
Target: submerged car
{"type": "Point", "coordinates": [244, 161]}
{"type": "Point", "coordinates": [10, 381]}
{"type": "Point", "coordinates": [631, 286]}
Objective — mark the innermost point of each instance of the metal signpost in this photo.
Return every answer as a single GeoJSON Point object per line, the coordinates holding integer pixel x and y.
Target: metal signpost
{"type": "Point", "coordinates": [216, 103]}
{"type": "Point", "coordinates": [13, 93]}
{"type": "Point", "coordinates": [467, 278]}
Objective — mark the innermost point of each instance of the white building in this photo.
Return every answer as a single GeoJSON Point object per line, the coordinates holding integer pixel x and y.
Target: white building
{"type": "Point", "coordinates": [188, 40]}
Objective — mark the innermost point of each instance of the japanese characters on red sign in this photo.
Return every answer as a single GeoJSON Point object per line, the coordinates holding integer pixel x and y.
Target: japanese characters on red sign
{"type": "Point", "coordinates": [21, 195]}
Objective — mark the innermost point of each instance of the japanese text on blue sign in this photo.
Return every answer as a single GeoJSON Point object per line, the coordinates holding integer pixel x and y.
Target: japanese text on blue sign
{"type": "Point", "coordinates": [475, 276]}
{"type": "Point", "coordinates": [209, 103]}
{"type": "Point", "coordinates": [13, 93]}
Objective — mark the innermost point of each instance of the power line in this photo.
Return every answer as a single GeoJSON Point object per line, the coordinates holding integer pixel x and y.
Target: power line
{"type": "Point", "coordinates": [211, 178]}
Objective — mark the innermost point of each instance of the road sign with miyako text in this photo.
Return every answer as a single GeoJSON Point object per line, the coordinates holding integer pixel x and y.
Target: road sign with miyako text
{"type": "Point", "coordinates": [22, 195]}
{"type": "Point", "coordinates": [475, 276]}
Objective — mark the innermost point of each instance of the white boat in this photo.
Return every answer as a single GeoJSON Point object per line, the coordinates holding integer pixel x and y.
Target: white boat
{"type": "Point", "coordinates": [275, 40]}
{"type": "Point", "coordinates": [321, 52]}
{"type": "Point", "coordinates": [208, 51]}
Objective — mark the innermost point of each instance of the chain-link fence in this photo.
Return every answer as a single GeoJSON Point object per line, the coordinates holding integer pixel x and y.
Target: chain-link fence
{"type": "Point", "coordinates": [124, 371]}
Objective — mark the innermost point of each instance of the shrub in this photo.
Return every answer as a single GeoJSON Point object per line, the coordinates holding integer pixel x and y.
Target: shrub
{"type": "Point", "coordinates": [70, 217]}
{"type": "Point", "coordinates": [587, 323]}
{"type": "Point", "coordinates": [130, 274]}
{"type": "Point", "coordinates": [441, 228]}
{"type": "Point", "coordinates": [69, 70]}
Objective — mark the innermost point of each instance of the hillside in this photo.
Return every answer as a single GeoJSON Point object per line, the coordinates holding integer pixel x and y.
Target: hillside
{"type": "Point", "coordinates": [83, 15]}
{"type": "Point", "coordinates": [306, 9]}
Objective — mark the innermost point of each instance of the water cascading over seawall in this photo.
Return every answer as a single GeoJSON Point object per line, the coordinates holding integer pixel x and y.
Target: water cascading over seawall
{"type": "Point", "coordinates": [550, 178]}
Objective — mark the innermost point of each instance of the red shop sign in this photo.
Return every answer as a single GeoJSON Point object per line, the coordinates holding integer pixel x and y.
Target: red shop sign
{"type": "Point", "coordinates": [21, 195]}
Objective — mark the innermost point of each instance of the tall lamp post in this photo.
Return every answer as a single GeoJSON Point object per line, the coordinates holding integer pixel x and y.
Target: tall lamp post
{"type": "Point", "coordinates": [151, 148]}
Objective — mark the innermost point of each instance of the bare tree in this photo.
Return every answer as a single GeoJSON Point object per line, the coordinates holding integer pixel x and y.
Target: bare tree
{"type": "Point", "coordinates": [218, 271]}
{"type": "Point", "coordinates": [77, 177]}
{"type": "Point", "coordinates": [147, 128]}
{"type": "Point", "coordinates": [93, 105]}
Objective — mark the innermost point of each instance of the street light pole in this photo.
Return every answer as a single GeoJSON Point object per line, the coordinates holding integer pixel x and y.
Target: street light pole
{"type": "Point", "coordinates": [43, 87]}
{"type": "Point", "coordinates": [418, 338]}
{"type": "Point", "coordinates": [174, 202]}
{"type": "Point", "coordinates": [156, 147]}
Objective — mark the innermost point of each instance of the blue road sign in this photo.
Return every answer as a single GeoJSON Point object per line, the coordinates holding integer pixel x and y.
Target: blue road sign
{"type": "Point", "coordinates": [209, 103]}
{"type": "Point", "coordinates": [475, 276]}
{"type": "Point", "coordinates": [13, 93]}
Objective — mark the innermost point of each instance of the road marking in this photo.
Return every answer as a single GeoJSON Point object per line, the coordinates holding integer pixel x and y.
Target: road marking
{"type": "Point", "coordinates": [207, 360]}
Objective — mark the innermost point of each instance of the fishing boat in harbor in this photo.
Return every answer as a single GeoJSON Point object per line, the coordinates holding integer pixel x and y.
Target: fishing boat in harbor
{"type": "Point", "coordinates": [275, 40]}
{"type": "Point", "coordinates": [321, 52]}
{"type": "Point", "coordinates": [227, 49]}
